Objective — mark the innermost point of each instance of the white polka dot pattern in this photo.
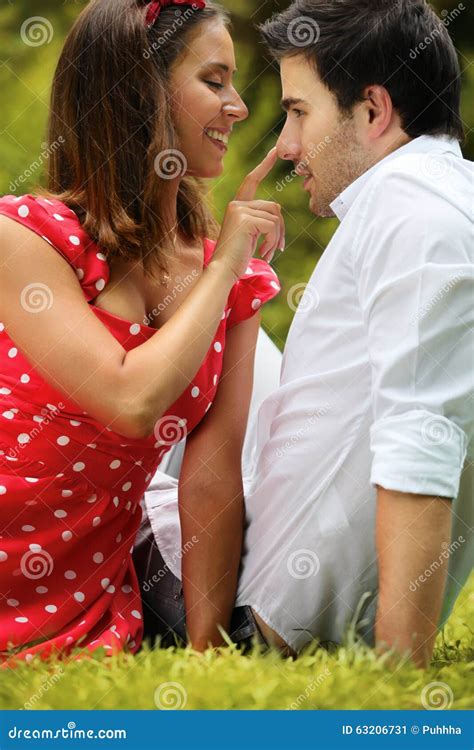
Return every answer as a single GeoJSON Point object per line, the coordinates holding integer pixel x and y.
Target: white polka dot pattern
{"type": "Point", "coordinates": [73, 515]}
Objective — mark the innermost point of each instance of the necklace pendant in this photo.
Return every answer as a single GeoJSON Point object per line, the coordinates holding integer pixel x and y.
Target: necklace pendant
{"type": "Point", "coordinates": [165, 279]}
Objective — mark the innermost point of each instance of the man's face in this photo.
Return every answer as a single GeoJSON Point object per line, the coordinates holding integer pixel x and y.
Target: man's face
{"type": "Point", "coordinates": [318, 137]}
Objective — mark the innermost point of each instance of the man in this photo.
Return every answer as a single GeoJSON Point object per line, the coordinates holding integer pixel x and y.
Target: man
{"type": "Point", "coordinates": [359, 508]}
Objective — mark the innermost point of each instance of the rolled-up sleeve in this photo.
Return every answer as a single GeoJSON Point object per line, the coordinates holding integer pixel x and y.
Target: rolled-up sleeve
{"type": "Point", "coordinates": [418, 452]}
{"type": "Point", "coordinates": [414, 272]}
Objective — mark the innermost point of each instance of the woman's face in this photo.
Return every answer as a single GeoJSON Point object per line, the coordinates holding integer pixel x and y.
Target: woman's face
{"type": "Point", "coordinates": [206, 104]}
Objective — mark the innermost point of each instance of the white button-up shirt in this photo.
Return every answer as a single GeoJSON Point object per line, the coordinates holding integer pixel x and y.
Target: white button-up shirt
{"type": "Point", "coordinates": [376, 389]}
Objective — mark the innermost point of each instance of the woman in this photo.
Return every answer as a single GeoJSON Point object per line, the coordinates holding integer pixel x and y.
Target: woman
{"type": "Point", "coordinates": [92, 397]}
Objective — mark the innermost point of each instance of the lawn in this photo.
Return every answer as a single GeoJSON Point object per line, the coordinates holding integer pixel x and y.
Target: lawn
{"type": "Point", "coordinates": [350, 678]}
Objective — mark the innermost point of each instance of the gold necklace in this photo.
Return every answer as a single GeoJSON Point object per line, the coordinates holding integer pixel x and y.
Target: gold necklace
{"type": "Point", "coordinates": [165, 278]}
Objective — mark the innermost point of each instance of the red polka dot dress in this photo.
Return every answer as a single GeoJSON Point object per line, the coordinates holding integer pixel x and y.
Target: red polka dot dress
{"type": "Point", "coordinates": [70, 487]}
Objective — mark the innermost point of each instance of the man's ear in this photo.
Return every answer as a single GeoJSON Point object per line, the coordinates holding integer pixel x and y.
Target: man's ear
{"type": "Point", "coordinates": [376, 111]}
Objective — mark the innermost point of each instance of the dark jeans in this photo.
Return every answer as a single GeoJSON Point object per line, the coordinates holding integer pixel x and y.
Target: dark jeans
{"type": "Point", "coordinates": [163, 602]}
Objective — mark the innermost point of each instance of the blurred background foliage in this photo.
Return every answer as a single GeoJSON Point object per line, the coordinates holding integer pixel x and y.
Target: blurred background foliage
{"type": "Point", "coordinates": [25, 77]}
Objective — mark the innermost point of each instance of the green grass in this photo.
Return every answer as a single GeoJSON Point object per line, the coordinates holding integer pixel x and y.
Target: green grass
{"type": "Point", "coordinates": [352, 677]}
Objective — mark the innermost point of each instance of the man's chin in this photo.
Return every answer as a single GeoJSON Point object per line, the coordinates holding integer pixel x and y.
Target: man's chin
{"type": "Point", "coordinates": [322, 212]}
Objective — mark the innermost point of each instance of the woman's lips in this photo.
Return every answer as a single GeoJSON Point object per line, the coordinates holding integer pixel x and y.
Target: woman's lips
{"type": "Point", "coordinates": [307, 182]}
{"type": "Point", "coordinates": [218, 144]}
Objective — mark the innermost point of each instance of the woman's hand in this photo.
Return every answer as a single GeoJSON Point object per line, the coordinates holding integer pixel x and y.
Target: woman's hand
{"type": "Point", "coordinates": [246, 220]}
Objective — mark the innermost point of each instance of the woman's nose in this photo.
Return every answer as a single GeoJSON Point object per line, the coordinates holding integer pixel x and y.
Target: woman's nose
{"type": "Point", "coordinates": [236, 108]}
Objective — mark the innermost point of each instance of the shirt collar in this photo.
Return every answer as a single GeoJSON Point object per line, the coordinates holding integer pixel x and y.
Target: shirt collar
{"type": "Point", "coordinates": [420, 145]}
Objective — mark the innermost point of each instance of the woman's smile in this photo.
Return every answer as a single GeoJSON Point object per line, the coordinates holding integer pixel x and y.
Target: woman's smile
{"type": "Point", "coordinates": [219, 137]}
{"type": "Point", "coordinates": [204, 87]}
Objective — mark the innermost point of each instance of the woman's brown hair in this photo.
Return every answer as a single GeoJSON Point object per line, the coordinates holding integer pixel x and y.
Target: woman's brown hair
{"type": "Point", "coordinates": [111, 103]}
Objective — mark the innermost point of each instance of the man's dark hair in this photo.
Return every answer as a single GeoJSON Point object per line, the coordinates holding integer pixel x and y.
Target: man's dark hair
{"type": "Point", "coordinates": [399, 44]}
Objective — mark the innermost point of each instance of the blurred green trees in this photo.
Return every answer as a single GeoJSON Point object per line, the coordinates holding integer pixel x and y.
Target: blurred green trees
{"type": "Point", "coordinates": [26, 71]}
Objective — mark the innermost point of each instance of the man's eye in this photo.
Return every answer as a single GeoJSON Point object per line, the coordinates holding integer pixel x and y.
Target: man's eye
{"type": "Point", "coordinates": [298, 112]}
{"type": "Point", "coordinates": [215, 84]}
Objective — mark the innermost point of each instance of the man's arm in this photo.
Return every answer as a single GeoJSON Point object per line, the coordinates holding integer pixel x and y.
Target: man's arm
{"type": "Point", "coordinates": [415, 292]}
{"type": "Point", "coordinates": [413, 531]}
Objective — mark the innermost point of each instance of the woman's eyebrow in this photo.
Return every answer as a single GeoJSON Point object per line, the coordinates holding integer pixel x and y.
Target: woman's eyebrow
{"type": "Point", "coordinates": [222, 66]}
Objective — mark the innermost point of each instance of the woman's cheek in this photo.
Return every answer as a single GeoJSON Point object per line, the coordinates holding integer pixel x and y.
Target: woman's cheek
{"type": "Point", "coordinates": [209, 104]}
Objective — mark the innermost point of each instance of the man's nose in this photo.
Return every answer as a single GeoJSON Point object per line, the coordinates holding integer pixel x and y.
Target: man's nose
{"type": "Point", "coordinates": [288, 147]}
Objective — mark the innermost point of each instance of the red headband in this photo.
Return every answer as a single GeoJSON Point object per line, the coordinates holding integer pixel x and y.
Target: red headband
{"type": "Point", "coordinates": [157, 6]}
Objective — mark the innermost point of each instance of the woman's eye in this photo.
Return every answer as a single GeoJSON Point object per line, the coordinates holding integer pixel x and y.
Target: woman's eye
{"type": "Point", "coordinates": [298, 112]}
{"type": "Point", "coordinates": [215, 84]}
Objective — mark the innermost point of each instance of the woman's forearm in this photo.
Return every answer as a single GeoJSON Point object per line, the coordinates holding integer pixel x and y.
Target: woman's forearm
{"type": "Point", "coordinates": [211, 501]}
{"type": "Point", "coordinates": [215, 516]}
{"type": "Point", "coordinates": [156, 373]}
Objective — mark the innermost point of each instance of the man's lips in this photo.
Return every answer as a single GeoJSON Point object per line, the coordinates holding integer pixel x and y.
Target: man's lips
{"type": "Point", "coordinates": [301, 169]}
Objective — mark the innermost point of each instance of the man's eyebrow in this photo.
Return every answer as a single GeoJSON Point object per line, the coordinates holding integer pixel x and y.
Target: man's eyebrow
{"type": "Point", "coordinates": [290, 102]}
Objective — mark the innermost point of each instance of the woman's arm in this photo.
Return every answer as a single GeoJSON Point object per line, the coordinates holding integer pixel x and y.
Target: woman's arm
{"type": "Point", "coordinates": [211, 502]}
{"type": "Point", "coordinates": [73, 350]}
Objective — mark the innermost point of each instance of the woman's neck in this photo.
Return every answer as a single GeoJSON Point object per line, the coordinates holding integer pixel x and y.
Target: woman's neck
{"type": "Point", "coordinates": [171, 207]}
